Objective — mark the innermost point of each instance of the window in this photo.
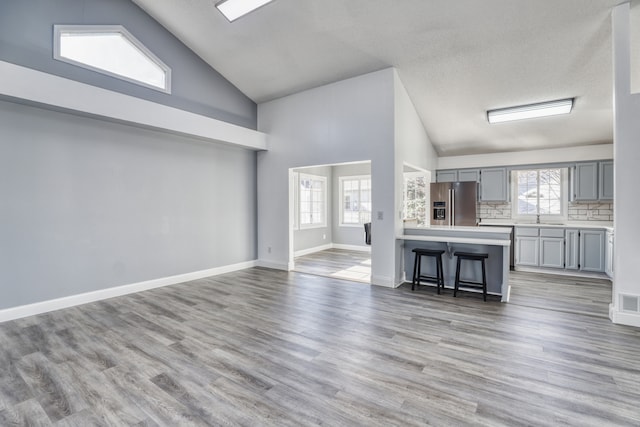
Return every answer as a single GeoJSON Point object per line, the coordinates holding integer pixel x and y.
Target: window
{"type": "Point", "coordinates": [416, 197]}
{"type": "Point", "coordinates": [355, 200]}
{"type": "Point", "coordinates": [111, 50]}
{"type": "Point", "coordinates": [540, 192]}
{"type": "Point", "coordinates": [313, 201]}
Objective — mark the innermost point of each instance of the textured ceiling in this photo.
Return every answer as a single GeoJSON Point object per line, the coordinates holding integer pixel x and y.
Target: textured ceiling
{"type": "Point", "coordinates": [456, 59]}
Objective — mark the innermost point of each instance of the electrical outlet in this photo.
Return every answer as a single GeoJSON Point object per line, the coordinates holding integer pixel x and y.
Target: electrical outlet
{"type": "Point", "coordinates": [380, 215]}
{"type": "Point", "coordinates": [324, 237]}
{"type": "Point", "coordinates": [589, 213]}
{"type": "Point", "coordinates": [269, 249]}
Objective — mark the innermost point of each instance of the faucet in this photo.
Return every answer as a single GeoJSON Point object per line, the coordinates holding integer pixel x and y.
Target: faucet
{"type": "Point", "coordinates": [538, 219]}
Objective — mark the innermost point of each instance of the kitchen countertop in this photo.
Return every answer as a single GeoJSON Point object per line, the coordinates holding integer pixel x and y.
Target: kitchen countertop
{"type": "Point", "coordinates": [600, 225]}
{"type": "Point", "coordinates": [462, 228]}
{"type": "Point", "coordinates": [498, 236]}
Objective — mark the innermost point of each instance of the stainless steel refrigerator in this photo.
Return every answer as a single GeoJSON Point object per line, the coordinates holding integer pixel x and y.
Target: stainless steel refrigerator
{"type": "Point", "coordinates": [454, 203]}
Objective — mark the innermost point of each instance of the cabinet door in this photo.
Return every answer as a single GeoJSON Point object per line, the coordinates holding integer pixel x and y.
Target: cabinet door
{"type": "Point", "coordinates": [592, 250]}
{"type": "Point", "coordinates": [609, 263]}
{"type": "Point", "coordinates": [527, 250]}
{"type": "Point", "coordinates": [446, 176]}
{"type": "Point", "coordinates": [469, 175]}
{"type": "Point", "coordinates": [585, 181]}
{"type": "Point", "coordinates": [605, 180]}
{"type": "Point", "coordinates": [571, 249]}
{"type": "Point", "coordinates": [493, 185]}
{"type": "Point", "coordinates": [552, 252]}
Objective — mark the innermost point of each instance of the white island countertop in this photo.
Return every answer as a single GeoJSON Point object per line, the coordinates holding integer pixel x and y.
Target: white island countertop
{"type": "Point", "coordinates": [599, 225]}
{"type": "Point", "coordinates": [498, 236]}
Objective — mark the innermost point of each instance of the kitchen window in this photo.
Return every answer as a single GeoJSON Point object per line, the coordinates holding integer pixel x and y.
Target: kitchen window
{"type": "Point", "coordinates": [540, 193]}
{"type": "Point", "coordinates": [416, 197]}
{"type": "Point", "coordinates": [355, 200]}
{"type": "Point", "coordinates": [312, 198]}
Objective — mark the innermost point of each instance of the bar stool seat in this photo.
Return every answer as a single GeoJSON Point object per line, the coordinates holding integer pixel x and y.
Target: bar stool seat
{"type": "Point", "coordinates": [471, 257]}
{"type": "Point", "coordinates": [417, 268]}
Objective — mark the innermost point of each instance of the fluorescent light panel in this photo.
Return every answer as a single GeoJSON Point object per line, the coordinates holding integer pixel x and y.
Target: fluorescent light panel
{"type": "Point", "coordinates": [234, 9]}
{"type": "Point", "coordinates": [543, 109]}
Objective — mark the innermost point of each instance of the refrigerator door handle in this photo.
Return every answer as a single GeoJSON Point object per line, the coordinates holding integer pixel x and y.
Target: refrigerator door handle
{"type": "Point", "coordinates": [453, 207]}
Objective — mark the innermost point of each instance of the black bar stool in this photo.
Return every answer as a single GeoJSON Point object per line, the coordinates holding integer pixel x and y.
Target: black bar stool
{"type": "Point", "coordinates": [471, 257]}
{"type": "Point", "coordinates": [417, 266]}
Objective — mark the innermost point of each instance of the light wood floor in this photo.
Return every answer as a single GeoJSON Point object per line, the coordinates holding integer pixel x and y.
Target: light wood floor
{"type": "Point", "coordinates": [337, 263]}
{"type": "Point", "coordinates": [265, 347]}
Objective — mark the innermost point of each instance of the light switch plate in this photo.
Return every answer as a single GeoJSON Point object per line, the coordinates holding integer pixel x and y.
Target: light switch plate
{"type": "Point", "coordinates": [380, 215]}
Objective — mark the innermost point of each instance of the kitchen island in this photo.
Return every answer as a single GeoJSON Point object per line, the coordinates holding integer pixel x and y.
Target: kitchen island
{"type": "Point", "coordinates": [495, 241]}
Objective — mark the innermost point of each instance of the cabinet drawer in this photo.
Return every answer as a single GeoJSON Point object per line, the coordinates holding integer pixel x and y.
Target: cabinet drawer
{"type": "Point", "coordinates": [527, 231]}
{"type": "Point", "coordinates": [552, 232]}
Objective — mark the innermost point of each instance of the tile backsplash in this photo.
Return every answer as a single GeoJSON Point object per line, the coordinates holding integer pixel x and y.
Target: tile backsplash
{"type": "Point", "coordinates": [590, 211]}
{"type": "Point", "coordinates": [578, 211]}
{"type": "Point", "coordinates": [493, 210]}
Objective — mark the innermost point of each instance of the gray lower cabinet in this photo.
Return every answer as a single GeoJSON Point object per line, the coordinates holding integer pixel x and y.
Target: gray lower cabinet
{"type": "Point", "coordinates": [592, 250]}
{"type": "Point", "coordinates": [572, 249]}
{"type": "Point", "coordinates": [527, 246]}
{"type": "Point", "coordinates": [569, 249]}
{"type": "Point", "coordinates": [551, 252]}
{"type": "Point", "coordinates": [609, 262]}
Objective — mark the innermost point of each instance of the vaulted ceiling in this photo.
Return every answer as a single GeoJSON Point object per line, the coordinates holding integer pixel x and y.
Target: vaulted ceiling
{"type": "Point", "coordinates": [457, 59]}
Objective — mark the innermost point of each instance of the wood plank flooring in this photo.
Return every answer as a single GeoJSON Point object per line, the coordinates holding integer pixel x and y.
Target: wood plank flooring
{"type": "Point", "coordinates": [262, 347]}
{"type": "Point", "coordinates": [338, 263]}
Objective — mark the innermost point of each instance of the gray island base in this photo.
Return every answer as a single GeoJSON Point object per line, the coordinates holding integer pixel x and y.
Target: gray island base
{"type": "Point", "coordinates": [495, 241]}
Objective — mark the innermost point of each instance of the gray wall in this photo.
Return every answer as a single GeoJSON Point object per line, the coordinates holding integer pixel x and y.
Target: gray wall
{"type": "Point", "coordinates": [346, 235]}
{"type": "Point", "coordinates": [88, 205]}
{"type": "Point", "coordinates": [314, 237]}
{"type": "Point", "coordinates": [26, 38]}
{"type": "Point", "coordinates": [351, 120]}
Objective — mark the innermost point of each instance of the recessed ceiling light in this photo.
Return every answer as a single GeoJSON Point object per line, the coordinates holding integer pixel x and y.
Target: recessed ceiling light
{"type": "Point", "coordinates": [543, 109]}
{"type": "Point", "coordinates": [234, 9]}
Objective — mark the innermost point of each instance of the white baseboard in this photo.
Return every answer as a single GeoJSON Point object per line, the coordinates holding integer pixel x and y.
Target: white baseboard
{"type": "Point", "coordinates": [624, 318]}
{"type": "Point", "coordinates": [561, 272]}
{"type": "Point", "coordinates": [308, 251]}
{"type": "Point", "coordinates": [385, 281]}
{"type": "Point", "coordinates": [315, 249]}
{"type": "Point", "coordinates": [352, 247]}
{"type": "Point", "coordinates": [84, 298]}
{"type": "Point", "coordinates": [275, 265]}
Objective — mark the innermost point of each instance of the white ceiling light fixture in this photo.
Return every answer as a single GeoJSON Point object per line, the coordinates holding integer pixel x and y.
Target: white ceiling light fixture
{"type": "Point", "coordinates": [542, 109]}
{"type": "Point", "coordinates": [234, 9]}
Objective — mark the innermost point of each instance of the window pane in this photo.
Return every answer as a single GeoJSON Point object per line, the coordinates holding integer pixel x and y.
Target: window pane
{"type": "Point", "coordinates": [114, 53]}
{"type": "Point", "coordinates": [550, 195]}
{"type": "Point", "coordinates": [527, 192]}
{"type": "Point", "coordinates": [356, 200]}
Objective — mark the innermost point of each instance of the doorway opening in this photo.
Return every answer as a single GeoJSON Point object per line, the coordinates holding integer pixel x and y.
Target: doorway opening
{"type": "Point", "coordinates": [329, 206]}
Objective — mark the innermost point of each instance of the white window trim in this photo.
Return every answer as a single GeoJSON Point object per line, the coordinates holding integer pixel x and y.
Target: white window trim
{"type": "Point", "coordinates": [295, 182]}
{"type": "Point", "coordinates": [58, 29]}
{"type": "Point", "coordinates": [323, 179]}
{"type": "Point", "coordinates": [564, 198]}
{"type": "Point", "coordinates": [341, 199]}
